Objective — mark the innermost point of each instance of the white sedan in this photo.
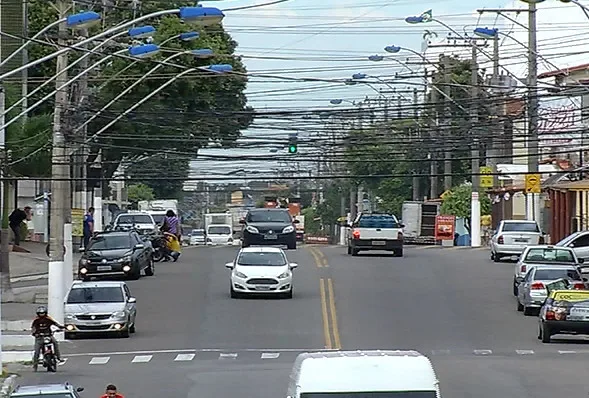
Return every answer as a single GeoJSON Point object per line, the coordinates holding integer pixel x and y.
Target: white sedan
{"type": "Point", "coordinates": [261, 270]}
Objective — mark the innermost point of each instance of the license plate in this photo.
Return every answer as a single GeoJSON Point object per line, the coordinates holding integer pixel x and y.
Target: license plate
{"type": "Point", "coordinates": [104, 268]}
{"type": "Point", "coordinates": [379, 242]}
{"type": "Point", "coordinates": [270, 237]}
{"type": "Point", "coordinates": [580, 312]}
{"type": "Point", "coordinates": [521, 240]}
{"type": "Point", "coordinates": [262, 287]}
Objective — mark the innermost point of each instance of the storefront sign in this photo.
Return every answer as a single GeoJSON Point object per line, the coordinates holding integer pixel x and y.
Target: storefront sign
{"type": "Point", "coordinates": [445, 227]}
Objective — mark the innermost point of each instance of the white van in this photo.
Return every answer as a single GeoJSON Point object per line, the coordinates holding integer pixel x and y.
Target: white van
{"type": "Point", "coordinates": [219, 234]}
{"type": "Point", "coordinates": [365, 374]}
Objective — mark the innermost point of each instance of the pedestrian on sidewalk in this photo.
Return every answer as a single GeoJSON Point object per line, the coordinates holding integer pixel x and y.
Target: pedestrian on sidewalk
{"type": "Point", "coordinates": [16, 218]}
{"type": "Point", "coordinates": [88, 226]}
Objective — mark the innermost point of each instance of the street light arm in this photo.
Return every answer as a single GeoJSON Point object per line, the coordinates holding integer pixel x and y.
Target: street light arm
{"type": "Point", "coordinates": [87, 41]}
{"type": "Point", "coordinates": [31, 40]}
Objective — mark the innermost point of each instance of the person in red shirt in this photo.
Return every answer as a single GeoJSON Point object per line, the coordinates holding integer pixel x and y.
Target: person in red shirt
{"type": "Point", "coordinates": [111, 392]}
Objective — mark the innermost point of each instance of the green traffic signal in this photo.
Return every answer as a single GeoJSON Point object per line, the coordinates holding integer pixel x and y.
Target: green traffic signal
{"type": "Point", "coordinates": [292, 148]}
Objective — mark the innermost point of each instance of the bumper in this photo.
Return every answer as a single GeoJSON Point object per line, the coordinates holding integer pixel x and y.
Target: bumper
{"type": "Point", "coordinates": [105, 270]}
{"type": "Point", "coordinates": [513, 250]}
{"type": "Point", "coordinates": [369, 244]}
{"type": "Point", "coordinates": [102, 326]}
{"type": "Point", "coordinates": [568, 327]}
{"type": "Point", "coordinates": [241, 286]}
{"type": "Point", "coordinates": [534, 301]}
{"type": "Point", "coordinates": [275, 239]}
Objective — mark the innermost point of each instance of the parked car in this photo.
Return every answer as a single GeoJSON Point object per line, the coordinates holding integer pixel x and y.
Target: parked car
{"type": "Point", "coordinates": [579, 242]}
{"type": "Point", "coordinates": [512, 236]}
{"type": "Point", "coordinates": [62, 390]}
{"type": "Point", "coordinates": [100, 307]}
{"type": "Point", "coordinates": [116, 253]}
{"type": "Point", "coordinates": [564, 312]}
{"type": "Point", "coordinates": [269, 227]}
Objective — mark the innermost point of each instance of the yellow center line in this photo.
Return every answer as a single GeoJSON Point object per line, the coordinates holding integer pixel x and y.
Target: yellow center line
{"type": "Point", "coordinates": [326, 331]}
{"type": "Point", "coordinates": [334, 325]}
{"type": "Point", "coordinates": [322, 258]}
{"type": "Point", "coordinates": [315, 257]}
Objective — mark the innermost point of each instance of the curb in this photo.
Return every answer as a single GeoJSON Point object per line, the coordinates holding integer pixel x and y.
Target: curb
{"type": "Point", "coordinates": [8, 386]}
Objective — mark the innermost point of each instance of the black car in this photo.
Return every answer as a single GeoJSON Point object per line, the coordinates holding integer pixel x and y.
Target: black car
{"type": "Point", "coordinates": [269, 227]}
{"type": "Point", "coordinates": [116, 253]}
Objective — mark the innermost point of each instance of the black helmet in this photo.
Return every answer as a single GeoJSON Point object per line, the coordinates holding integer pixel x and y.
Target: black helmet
{"type": "Point", "coordinates": [42, 310]}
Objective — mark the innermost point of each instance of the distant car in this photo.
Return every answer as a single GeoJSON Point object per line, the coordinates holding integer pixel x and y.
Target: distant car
{"type": "Point", "coordinates": [261, 270]}
{"type": "Point", "coordinates": [532, 290]}
{"type": "Point", "coordinates": [116, 253]}
{"type": "Point", "coordinates": [100, 307]}
{"type": "Point", "coordinates": [543, 256]}
{"type": "Point", "coordinates": [197, 237]}
{"type": "Point", "coordinates": [65, 390]}
{"type": "Point", "coordinates": [142, 222]}
{"type": "Point", "coordinates": [269, 227]}
{"type": "Point", "coordinates": [512, 236]}
{"type": "Point", "coordinates": [564, 312]}
{"type": "Point", "coordinates": [219, 234]}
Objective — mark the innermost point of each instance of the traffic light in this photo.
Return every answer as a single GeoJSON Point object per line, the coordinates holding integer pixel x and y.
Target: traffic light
{"type": "Point", "coordinates": [292, 143]}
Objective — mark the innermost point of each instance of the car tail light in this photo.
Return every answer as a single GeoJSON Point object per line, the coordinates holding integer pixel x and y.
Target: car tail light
{"type": "Point", "coordinates": [537, 286]}
{"type": "Point", "coordinates": [550, 315]}
{"type": "Point", "coordinates": [356, 234]}
{"type": "Point", "coordinates": [541, 240]}
{"type": "Point", "coordinates": [522, 269]}
{"type": "Point", "coordinates": [500, 240]}
{"type": "Point", "coordinates": [400, 236]}
{"type": "Point", "coordinates": [579, 286]}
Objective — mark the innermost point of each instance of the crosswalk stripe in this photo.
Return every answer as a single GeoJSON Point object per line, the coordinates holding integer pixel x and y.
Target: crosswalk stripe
{"type": "Point", "coordinates": [525, 352]}
{"type": "Point", "coordinates": [270, 355]}
{"type": "Point", "coordinates": [483, 352]}
{"type": "Point", "coordinates": [99, 360]}
{"type": "Point", "coordinates": [142, 358]}
{"type": "Point", "coordinates": [184, 357]}
{"type": "Point", "coordinates": [232, 355]}
{"type": "Point", "coordinates": [564, 352]}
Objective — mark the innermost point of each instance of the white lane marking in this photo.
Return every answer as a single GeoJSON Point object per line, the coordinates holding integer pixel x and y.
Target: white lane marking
{"type": "Point", "coordinates": [184, 357]}
{"type": "Point", "coordinates": [483, 352]}
{"type": "Point", "coordinates": [190, 350]}
{"type": "Point", "coordinates": [440, 352]}
{"type": "Point", "coordinates": [525, 352]}
{"type": "Point", "coordinates": [99, 361]}
{"type": "Point", "coordinates": [270, 355]}
{"type": "Point", "coordinates": [64, 361]}
{"type": "Point", "coordinates": [232, 355]}
{"type": "Point", "coordinates": [142, 358]}
{"type": "Point", "coordinates": [564, 352]}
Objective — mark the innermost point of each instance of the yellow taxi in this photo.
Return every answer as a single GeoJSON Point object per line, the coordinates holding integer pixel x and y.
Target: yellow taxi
{"type": "Point", "coordinates": [564, 312]}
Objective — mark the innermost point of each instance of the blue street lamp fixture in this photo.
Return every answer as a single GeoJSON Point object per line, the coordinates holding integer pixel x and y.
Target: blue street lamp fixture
{"type": "Point", "coordinates": [376, 58]}
{"type": "Point", "coordinates": [336, 101]}
{"type": "Point", "coordinates": [203, 53]}
{"type": "Point", "coordinates": [220, 68]}
{"type": "Point", "coordinates": [486, 33]}
{"type": "Point", "coordinates": [392, 49]}
{"type": "Point", "coordinates": [189, 36]}
{"type": "Point", "coordinates": [359, 76]}
{"type": "Point", "coordinates": [539, 1]}
{"type": "Point", "coordinates": [203, 16]}
{"type": "Point", "coordinates": [423, 18]}
{"type": "Point", "coordinates": [414, 19]}
{"type": "Point", "coordinates": [82, 20]}
{"type": "Point", "coordinates": [144, 50]}
{"type": "Point", "coordinates": [141, 32]}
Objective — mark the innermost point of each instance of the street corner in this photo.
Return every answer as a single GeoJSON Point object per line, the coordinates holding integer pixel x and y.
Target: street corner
{"type": "Point", "coordinates": [8, 384]}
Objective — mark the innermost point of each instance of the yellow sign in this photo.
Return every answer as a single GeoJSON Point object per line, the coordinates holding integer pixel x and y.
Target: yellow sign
{"type": "Point", "coordinates": [571, 295]}
{"type": "Point", "coordinates": [533, 184]}
{"type": "Point", "coordinates": [78, 222]}
{"type": "Point", "coordinates": [486, 180]}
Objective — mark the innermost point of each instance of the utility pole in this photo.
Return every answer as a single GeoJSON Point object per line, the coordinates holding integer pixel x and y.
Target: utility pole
{"type": "Point", "coordinates": [434, 133]}
{"type": "Point", "coordinates": [415, 183]}
{"type": "Point", "coordinates": [533, 210]}
{"type": "Point", "coordinates": [496, 140]}
{"type": "Point", "coordinates": [59, 182]}
{"type": "Point", "coordinates": [447, 124]}
{"type": "Point", "coordinates": [475, 204]}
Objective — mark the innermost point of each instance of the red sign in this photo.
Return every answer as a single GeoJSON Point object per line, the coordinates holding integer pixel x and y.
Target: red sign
{"type": "Point", "coordinates": [317, 240]}
{"type": "Point", "coordinates": [445, 227]}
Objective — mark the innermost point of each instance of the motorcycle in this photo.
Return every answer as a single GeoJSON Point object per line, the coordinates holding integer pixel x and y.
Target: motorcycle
{"type": "Point", "coordinates": [49, 360]}
{"type": "Point", "coordinates": [162, 250]}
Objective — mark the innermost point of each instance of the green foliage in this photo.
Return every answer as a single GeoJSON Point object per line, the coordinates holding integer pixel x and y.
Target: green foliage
{"type": "Point", "coordinates": [165, 165]}
{"type": "Point", "coordinates": [457, 203]}
{"type": "Point", "coordinates": [138, 192]}
{"type": "Point", "coordinates": [312, 221]}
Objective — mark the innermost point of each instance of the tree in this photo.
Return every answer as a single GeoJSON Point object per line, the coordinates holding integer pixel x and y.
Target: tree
{"type": "Point", "coordinates": [139, 192]}
{"type": "Point", "coordinates": [457, 203]}
{"type": "Point", "coordinates": [171, 166]}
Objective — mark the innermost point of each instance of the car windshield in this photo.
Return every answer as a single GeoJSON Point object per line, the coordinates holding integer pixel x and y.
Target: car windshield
{"type": "Point", "coordinates": [371, 394]}
{"type": "Point", "coordinates": [554, 274]}
{"type": "Point", "coordinates": [378, 221]}
{"type": "Point", "coordinates": [88, 295]}
{"type": "Point", "coordinates": [158, 218]}
{"type": "Point", "coordinates": [544, 255]}
{"type": "Point", "coordinates": [112, 242]}
{"type": "Point", "coordinates": [197, 232]}
{"type": "Point", "coordinates": [264, 259]}
{"type": "Point", "coordinates": [269, 216]}
{"type": "Point", "coordinates": [134, 219]}
{"type": "Point", "coordinates": [219, 230]}
{"type": "Point", "coordinates": [520, 227]}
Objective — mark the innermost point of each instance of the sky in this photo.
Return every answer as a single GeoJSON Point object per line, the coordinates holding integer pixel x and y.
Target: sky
{"type": "Point", "coordinates": [331, 40]}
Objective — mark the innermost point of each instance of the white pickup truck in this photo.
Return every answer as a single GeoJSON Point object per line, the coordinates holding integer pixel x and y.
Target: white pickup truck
{"type": "Point", "coordinates": [375, 232]}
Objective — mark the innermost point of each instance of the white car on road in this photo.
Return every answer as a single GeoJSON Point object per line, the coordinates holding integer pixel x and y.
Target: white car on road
{"type": "Point", "coordinates": [512, 237]}
{"type": "Point", "coordinates": [261, 270]}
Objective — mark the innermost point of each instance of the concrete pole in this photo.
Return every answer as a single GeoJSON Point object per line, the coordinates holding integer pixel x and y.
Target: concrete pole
{"type": "Point", "coordinates": [447, 125]}
{"type": "Point", "coordinates": [532, 110]}
{"type": "Point", "coordinates": [415, 182]}
{"type": "Point", "coordinates": [59, 185]}
{"type": "Point", "coordinates": [475, 204]}
{"type": "Point", "coordinates": [496, 141]}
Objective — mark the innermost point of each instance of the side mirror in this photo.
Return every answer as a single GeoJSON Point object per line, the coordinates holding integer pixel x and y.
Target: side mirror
{"type": "Point", "coordinates": [295, 221]}
{"type": "Point", "coordinates": [571, 245]}
{"type": "Point", "coordinates": [131, 300]}
{"type": "Point", "coordinates": [79, 389]}
{"type": "Point", "coordinates": [293, 265]}
{"type": "Point", "coordinates": [581, 260]}
{"type": "Point", "coordinates": [81, 250]}
{"type": "Point", "coordinates": [229, 265]}
{"type": "Point", "coordinates": [139, 246]}
{"type": "Point", "coordinates": [242, 221]}
{"type": "Point", "coordinates": [401, 225]}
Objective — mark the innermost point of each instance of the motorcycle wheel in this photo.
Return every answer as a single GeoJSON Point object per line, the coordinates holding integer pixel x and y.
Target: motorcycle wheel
{"type": "Point", "coordinates": [51, 364]}
{"type": "Point", "coordinates": [157, 256]}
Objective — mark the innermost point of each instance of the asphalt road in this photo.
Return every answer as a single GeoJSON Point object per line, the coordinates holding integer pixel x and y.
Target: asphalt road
{"type": "Point", "coordinates": [455, 306]}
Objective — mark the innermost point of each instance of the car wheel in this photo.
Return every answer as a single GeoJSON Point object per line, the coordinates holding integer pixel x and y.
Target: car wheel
{"type": "Point", "coordinates": [520, 306]}
{"type": "Point", "coordinates": [245, 243]}
{"type": "Point", "coordinates": [515, 289]}
{"type": "Point", "coordinates": [150, 270]}
{"type": "Point", "coordinates": [546, 334]}
{"type": "Point", "coordinates": [292, 245]}
{"type": "Point", "coordinates": [349, 250]}
{"type": "Point", "coordinates": [125, 334]}
{"type": "Point", "coordinates": [496, 258]}
{"type": "Point", "coordinates": [398, 252]}
{"type": "Point", "coordinates": [289, 294]}
{"type": "Point", "coordinates": [132, 328]}
{"type": "Point", "coordinates": [355, 252]}
{"type": "Point", "coordinates": [134, 274]}
{"type": "Point", "coordinates": [233, 293]}
{"type": "Point", "coordinates": [528, 311]}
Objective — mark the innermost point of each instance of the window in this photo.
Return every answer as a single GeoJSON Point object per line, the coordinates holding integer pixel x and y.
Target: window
{"type": "Point", "coordinates": [265, 259]}
{"type": "Point", "coordinates": [158, 218]}
{"type": "Point", "coordinates": [520, 227]}
{"type": "Point", "coordinates": [269, 216]}
{"type": "Point", "coordinates": [553, 274]}
{"type": "Point", "coordinates": [219, 230]}
{"type": "Point", "coordinates": [134, 219]}
{"type": "Point", "coordinates": [378, 221]}
{"type": "Point", "coordinates": [369, 394]}
{"type": "Point", "coordinates": [542, 255]}
{"type": "Point", "coordinates": [87, 295]}
{"type": "Point", "coordinates": [582, 241]}
{"type": "Point", "coordinates": [111, 242]}
{"type": "Point", "coordinates": [197, 232]}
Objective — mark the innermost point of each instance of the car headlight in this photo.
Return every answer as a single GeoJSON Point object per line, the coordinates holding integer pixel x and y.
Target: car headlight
{"type": "Point", "coordinates": [252, 230]}
{"type": "Point", "coordinates": [119, 315]}
{"type": "Point", "coordinates": [288, 229]}
{"type": "Point", "coordinates": [125, 259]}
{"type": "Point", "coordinates": [284, 275]}
{"type": "Point", "coordinates": [240, 275]}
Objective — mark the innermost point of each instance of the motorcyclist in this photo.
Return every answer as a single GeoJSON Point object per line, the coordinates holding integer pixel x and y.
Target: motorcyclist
{"type": "Point", "coordinates": [42, 326]}
{"type": "Point", "coordinates": [111, 392]}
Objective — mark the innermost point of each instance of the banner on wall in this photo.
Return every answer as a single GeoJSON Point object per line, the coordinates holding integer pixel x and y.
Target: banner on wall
{"type": "Point", "coordinates": [445, 227]}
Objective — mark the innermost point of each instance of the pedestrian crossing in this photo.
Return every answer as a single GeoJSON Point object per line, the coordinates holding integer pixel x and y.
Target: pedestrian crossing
{"type": "Point", "coordinates": [283, 356]}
